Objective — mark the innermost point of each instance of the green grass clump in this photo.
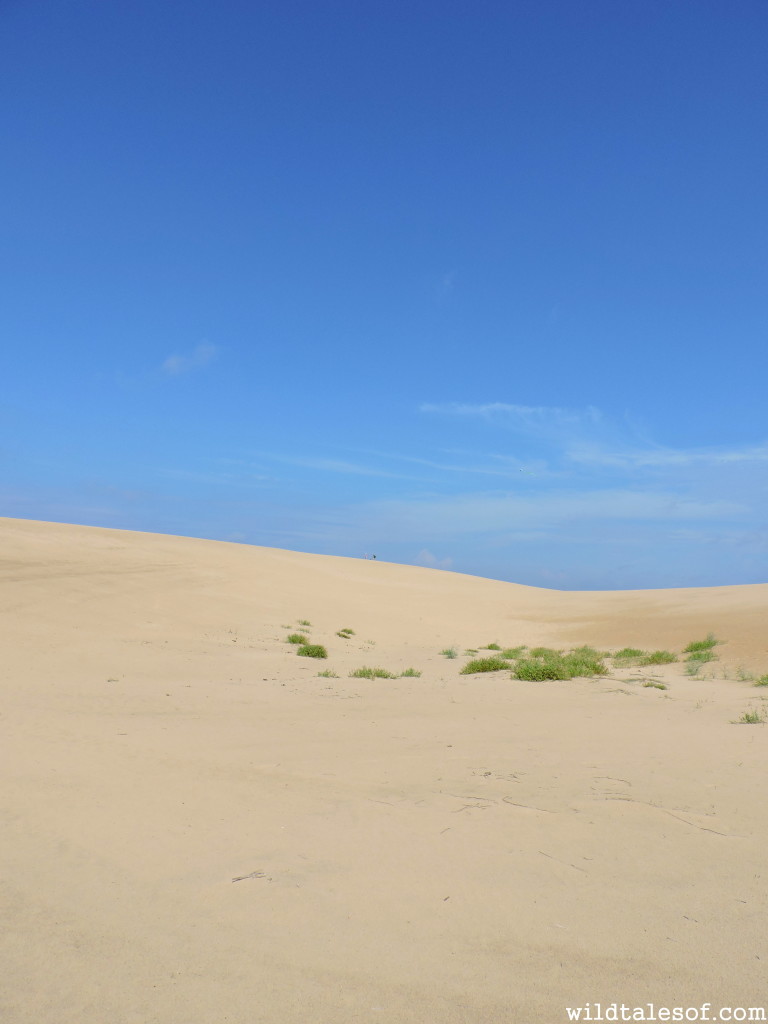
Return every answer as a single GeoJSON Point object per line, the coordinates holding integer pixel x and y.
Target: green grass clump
{"type": "Point", "coordinates": [304, 622]}
{"type": "Point", "coordinates": [484, 665]}
{"type": "Point", "coordinates": [492, 647]}
{"type": "Point", "coordinates": [550, 664]}
{"type": "Point", "coordinates": [628, 654]}
{"type": "Point", "coordinates": [297, 638]}
{"type": "Point", "coordinates": [328, 674]}
{"type": "Point", "coordinates": [655, 685]}
{"type": "Point", "coordinates": [372, 673]}
{"type": "Point", "coordinates": [658, 658]}
{"type": "Point", "coordinates": [513, 653]}
{"type": "Point", "coordinates": [312, 651]}
{"type": "Point", "coordinates": [586, 661]}
{"type": "Point", "coordinates": [470, 652]}
{"type": "Point", "coordinates": [345, 634]}
{"type": "Point", "coordinates": [751, 718]}
{"type": "Point", "coordinates": [701, 645]}
{"type": "Point", "coordinates": [701, 657]}
{"type": "Point", "coordinates": [762, 680]}
{"type": "Point", "coordinates": [450, 652]}
{"type": "Point", "coordinates": [537, 669]}
{"type": "Point", "coordinates": [410, 673]}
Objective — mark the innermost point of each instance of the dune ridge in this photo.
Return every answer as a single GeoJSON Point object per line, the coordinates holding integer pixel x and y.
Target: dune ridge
{"type": "Point", "coordinates": [197, 827]}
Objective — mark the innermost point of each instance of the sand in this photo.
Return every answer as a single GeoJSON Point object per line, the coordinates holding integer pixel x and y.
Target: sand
{"type": "Point", "coordinates": [196, 828]}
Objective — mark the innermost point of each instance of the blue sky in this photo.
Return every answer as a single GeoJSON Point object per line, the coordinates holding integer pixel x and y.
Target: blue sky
{"type": "Point", "coordinates": [480, 286]}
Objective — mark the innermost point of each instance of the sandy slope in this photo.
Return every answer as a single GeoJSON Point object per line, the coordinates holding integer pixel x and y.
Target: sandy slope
{"type": "Point", "coordinates": [440, 849]}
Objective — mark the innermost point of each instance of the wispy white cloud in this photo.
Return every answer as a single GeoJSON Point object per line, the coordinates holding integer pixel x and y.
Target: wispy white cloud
{"type": "Point", "coordinates": [588, 438]}
{"type": "Point", "coordinates": [597, 455]}
{"type": "Point", "coordinates": [341, 466]}
{"type": "Point", "coordinates": [196, 476]}
{"type": "Point", "coordinates": [475, 514]}
{"type": "Point", "coordinates": [199, 357]}
{"type": "Point", "coordinates": [507, 466]}
{"type": "Point", "coordinates": [331, 465]}
{"type": "Point", "coordinates": [543, 422]}
{"type": "Point", "coordinates": [525, 415]}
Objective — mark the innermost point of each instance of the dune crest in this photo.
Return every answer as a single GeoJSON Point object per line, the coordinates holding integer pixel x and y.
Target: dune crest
{"type": "Point", "coordinates": [198, 827]}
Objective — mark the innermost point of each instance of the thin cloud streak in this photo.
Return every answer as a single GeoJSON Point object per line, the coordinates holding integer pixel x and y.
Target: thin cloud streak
{"type": "Point", "coordinates": [597, 456]}
{"type": "Point", "coordinates": [515, 465]}
{"type": "Point", "coordinates": [331, 466]}
{"type": "Point", "coordinates": [526, 416]}
{"type": "Point", "coordinates": [475, 514]}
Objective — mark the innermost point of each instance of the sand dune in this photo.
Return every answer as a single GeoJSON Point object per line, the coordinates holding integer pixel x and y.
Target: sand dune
{"type": "Point", "coordinates": [196, 828]}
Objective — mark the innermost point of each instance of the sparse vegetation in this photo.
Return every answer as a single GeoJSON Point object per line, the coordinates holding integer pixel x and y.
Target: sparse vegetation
{"type": "Point", "coordinates": [297, 638]}
{"type": "Point", "coordinates": [693, 668]}
{"type": "Point", "coordinates": [312, 651]}
{"type": "Point", "coordinates": [484, 665]}
{"type": "Point", "coordinates": [513, 653]}
{"type": "Point", "coordinates": [470, 652]}
{"type": "Point", "coordinates": [328, 674]}
{"type": "Point", "coordinates": [410, 673]}
{"type": "Point", "coordinates": [656, 685]}
{"type": "Point", "coordinates": [372, 673]}
{"type": "Point", "coordinates": [751, 718]}
{"type": "Point", "coordinates": [546, 663]}
{"type": "Point", "coordinates": [586, 661]}
{"type": "Point", "coordinates": [762, 680]}
{"type": "Point", "coordinates": [701, 657]}
{"type": "Point", "coordinates": [345, 633]}
{"type": "Point", "coordinates": [628, 654]}
{"type": "Point", "coordinates": [539, 669]}
{"type": "Point", "coordinates": [449, 652]}
{"type": "Point", "coordinates": [304, 622]}
{"type": "Point", "coordinates": [701, 645]}
{"type": "Point", "coordinates": [658, 658]}
{"type": "Point", "coordinates": [492, 647]}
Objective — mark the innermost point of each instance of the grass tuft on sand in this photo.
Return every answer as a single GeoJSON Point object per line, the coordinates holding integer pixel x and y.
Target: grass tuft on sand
{"type": "Point", "coordinates": [751, 718]}
{"type": "Point", "coordinates": [484, 665]}
{"type": "Point", "coordinates": [312, 651]}
{"type": "Point", "coordinates": [513, 653]}
{"type": "Point", "coordinates": [545, 663]}
{"type": "Point", "coordinates": [658, 658]}
{"type": "Point", "coordinates": [372, 673]}
{"type": "Point", "coordinates": [701, 645]}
